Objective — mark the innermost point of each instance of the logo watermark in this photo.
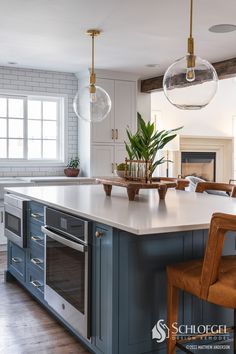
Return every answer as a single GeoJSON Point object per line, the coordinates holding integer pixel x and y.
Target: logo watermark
{"type": "Point", "coordinates": [160, 331]}
{"type": "Point", "coordinates": [216, 333]}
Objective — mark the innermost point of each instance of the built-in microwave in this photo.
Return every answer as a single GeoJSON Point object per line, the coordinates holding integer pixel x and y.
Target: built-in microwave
{"type": "Point", "coordinates": [15, 210]}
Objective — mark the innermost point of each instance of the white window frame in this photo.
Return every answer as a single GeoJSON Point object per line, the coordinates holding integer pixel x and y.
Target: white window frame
{"type": "Point", "coordinates": [63, 140]}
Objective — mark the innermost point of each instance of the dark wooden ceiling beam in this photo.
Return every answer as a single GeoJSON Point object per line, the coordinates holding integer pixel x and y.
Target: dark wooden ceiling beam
{"type": "Point", "coordinates": [225, 69]}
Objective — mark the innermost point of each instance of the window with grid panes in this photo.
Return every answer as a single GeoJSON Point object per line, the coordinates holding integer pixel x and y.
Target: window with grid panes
{"type": "Point", "coordinates": [31, 128]}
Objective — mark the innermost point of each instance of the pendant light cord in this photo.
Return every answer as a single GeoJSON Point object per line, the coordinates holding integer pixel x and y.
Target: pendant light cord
{"type": "Point", "coordinates": [191, 19]}
{"type": "Point", "coordinates": [93, 33]}
{"type": "Point", "coordinates": [92, 54]}
{"type": "Point", "coordinates": [191, 62]}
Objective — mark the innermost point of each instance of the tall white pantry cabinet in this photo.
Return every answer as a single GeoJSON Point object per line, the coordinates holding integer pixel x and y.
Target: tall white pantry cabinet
{"type": "Point", "coordinates": [101, 145]}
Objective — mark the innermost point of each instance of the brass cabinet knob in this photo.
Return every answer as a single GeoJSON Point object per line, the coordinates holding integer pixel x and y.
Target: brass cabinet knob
{"type": "Point", "coordinates": [98, 234]}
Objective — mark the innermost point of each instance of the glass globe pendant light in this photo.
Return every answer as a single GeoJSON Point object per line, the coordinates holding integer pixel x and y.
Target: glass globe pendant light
{"type": "Point", "coordinates": [190, 82]}
{"type": "Point", "coordinates": [92, 103]}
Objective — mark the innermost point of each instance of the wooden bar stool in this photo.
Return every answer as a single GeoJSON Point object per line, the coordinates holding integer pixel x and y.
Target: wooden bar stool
{"type": "Point", "coordinates": [212, 279]}
{"type": "Point", "coordinates": [224, 187]}
{"type": "Point", "coordinates": [181, 182]}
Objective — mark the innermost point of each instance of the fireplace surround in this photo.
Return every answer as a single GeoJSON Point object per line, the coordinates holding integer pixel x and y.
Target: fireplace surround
{"type": "Point", "coordinates": [221, 146]}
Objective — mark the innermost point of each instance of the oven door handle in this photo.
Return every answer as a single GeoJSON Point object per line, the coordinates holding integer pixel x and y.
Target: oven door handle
{"type": "Point", "coordinates": [65, 241]}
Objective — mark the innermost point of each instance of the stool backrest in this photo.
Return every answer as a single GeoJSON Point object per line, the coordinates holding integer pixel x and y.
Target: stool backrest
{"type": "Point", "coordinates": [181, 182]}
{"type": "Point", "coordinates": [220, 224]}
{"type": "Point", "coordinates": [224, 187]}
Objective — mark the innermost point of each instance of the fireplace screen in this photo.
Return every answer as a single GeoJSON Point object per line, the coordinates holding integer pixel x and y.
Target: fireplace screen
{"type": "Point", "coordinates": [199, 164]}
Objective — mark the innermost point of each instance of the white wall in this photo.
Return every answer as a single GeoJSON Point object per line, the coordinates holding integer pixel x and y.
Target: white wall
{"type": "Point", "coordinates": [213, 120]}
{"type": "Point", "coordinates": [144, 103]}
{"type": "Point", "coordinates": [18, 80]}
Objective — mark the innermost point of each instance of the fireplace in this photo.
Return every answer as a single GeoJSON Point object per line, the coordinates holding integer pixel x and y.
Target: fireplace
{"type": "Point", "coordinates": [199, 164]}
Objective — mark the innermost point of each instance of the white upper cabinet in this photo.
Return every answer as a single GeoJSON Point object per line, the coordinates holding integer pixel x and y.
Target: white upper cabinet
{"type": "Point", "coordinates": [125, 112]}
{"type": "Point", "coordinates": [103, 132]}
{"type": "Point", "coordinates": [101, 145]}
{"type": "Point", "coordinates": [122, 115]}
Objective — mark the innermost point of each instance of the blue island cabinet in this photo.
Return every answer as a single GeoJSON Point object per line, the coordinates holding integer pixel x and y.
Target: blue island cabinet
{"type": "Point", "coordinates": [130, 288]}
{"type": "Point", "coordinates": [128, 283]}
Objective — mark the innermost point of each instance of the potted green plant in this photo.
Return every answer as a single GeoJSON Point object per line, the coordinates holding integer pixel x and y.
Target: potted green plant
{"type": "Point", "coordinates": [120, 170]}
{"type": "Point", "coordinates": [145, 143]}
{"type": "Point", "coordinates": [72, 169]}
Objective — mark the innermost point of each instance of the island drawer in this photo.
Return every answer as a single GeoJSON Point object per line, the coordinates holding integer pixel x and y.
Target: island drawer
{"type": "Point", "coordinates": [36, 237]}
{"type": "Point", "coordinates": [36, 257]}
{"type": "Point", "coordinates": [35, 282]}
{"type": "Point", "coordinates": [36, 213]}
{"type": "Point", "coordinates": [16, 261]}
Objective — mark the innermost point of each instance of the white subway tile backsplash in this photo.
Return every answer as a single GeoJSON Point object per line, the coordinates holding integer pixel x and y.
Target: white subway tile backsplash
{"type": "Point", "coordinates": [21, 80]}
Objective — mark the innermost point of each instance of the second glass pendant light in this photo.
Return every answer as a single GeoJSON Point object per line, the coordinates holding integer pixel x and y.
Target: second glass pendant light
{"type": "Point", "coordinates": [182, 79]}
{"type": "Point", "coordinates": [92, 103]}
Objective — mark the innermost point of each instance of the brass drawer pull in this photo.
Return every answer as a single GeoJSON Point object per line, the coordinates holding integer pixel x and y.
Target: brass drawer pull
{"type": "Point", "coordinates": [99, 234]}
{"type": "Point", "coordinates": [36, 283]}
{"type": "Point", "coordinates": [113, 134]}
{"type": "Point", "coordinates": [37, 239]}
{"type": "Point", "coordinates": [36, 215]}
{"type": "Point", "coordinates": [16, 260]}
{"type": "Point", "coordinates": [36, 261]}
{"type": "Point", "coordinates": [116, 134]}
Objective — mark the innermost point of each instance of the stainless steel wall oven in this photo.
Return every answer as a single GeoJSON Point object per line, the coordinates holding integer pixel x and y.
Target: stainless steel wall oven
{"type": "Point", "coordinates": [67, 271]}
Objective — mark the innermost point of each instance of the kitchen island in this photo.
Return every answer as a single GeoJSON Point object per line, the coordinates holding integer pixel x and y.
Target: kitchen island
{"type": "Point", "coordinates": [132, 242]}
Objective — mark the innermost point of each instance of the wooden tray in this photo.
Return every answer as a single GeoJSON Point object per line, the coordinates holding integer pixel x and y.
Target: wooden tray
{"type": "Point", "coordinates": [133, 187]}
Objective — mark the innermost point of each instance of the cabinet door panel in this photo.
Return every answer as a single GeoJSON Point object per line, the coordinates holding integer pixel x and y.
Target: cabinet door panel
{"type": "Point", "coordinates": [120, 154]}
{"type": "Point", "coordinates": [102, 290]}
{"type": "Point", "coordinates": [102, 132]}
{"type": "Point", "coordinates": [102, 161]}
{"type": "Point", "coordinates": [35, 282]}
{"type": "Point", "coordinates": [16, 261]}
{"type": "Point", "coordinates": [125, 111]}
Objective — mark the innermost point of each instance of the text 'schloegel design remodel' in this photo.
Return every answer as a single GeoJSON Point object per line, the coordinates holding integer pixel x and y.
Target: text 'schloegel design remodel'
{"type": "Point", "coordinates": [161, 331]}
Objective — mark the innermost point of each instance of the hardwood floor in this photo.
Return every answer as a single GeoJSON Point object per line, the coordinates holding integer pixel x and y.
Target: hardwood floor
{"type": "Point", "coordinates": [26, 327]}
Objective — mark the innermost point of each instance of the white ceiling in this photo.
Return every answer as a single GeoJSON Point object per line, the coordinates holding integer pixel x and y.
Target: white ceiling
{"type": "Point", "coordinates": [49, 34]}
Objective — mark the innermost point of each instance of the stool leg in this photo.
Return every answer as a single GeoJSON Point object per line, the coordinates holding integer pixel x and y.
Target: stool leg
{"type": "Point", "coordinates": [234, 331]}
{"type": "Point", "coordinates": [172, 316]}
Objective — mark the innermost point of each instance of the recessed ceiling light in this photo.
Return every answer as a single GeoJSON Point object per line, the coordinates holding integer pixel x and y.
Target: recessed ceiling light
{"type": "Point", "coordinates": [152, 65]}
{"type": "Point", "coordinates": [223, 28]}
{"type": "Point", "coordinates": [12, 63]}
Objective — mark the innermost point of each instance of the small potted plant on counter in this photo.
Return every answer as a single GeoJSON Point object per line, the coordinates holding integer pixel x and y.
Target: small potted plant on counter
{"type": "Point", "coordinates": [120, 170]}
{"type": "Point", "coordinates": [72, 169]}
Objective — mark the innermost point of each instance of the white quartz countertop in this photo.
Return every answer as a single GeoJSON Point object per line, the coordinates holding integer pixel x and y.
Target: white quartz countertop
{"type": "Point", "coordinates": [146, 215]}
